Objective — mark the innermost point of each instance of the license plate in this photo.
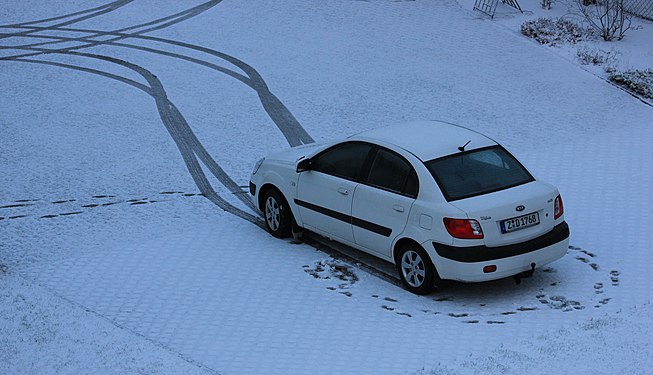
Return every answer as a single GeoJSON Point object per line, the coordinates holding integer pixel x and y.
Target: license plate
{"type": "Point", "coordinates": [520, 222]}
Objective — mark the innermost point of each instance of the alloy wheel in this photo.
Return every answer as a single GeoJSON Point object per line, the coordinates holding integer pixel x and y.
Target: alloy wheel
{"type": "Point", "coordinates": [413, 268]}
{"type": "Point", "coordinates": [272, 213]}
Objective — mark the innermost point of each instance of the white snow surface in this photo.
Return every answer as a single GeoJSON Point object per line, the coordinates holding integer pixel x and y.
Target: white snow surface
{"type": "Point", "coordinates": [131, 272]}
{"type": "Point", "coordinates": [633, 52]}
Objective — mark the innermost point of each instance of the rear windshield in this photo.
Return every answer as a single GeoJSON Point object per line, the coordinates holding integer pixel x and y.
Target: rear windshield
{"type": "Point", "coordinates": [477, 172]}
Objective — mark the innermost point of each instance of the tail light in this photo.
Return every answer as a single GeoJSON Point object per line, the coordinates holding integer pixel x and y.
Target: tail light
{"type": "Point", "coordinates": [558, 208]}
{"type": "Point", "coordinates": [463, 228]}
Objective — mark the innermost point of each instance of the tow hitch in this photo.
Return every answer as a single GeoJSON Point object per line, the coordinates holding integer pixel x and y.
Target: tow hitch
{"type": "Point", "coordinates": [524, 274]}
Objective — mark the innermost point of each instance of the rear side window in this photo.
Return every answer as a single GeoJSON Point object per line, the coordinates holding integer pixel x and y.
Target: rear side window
{"type": "Point", "coordinates": [345, 160]}
{"type": "Point", "coordinates": [477, 172]}
{"type": "Point", "coordinates": [391, 172]}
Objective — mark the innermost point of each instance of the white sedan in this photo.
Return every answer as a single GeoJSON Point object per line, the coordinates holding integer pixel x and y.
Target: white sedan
{"type": "Point", "coordinates": [437, 200]}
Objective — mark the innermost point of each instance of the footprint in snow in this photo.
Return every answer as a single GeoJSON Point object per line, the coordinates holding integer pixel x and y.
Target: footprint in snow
{"type": "Point", "coordinates": [598, 288]}
{"type": "Point", "coordinates": [443, 299]}
{"type": "Point", "coordinates": [331, 269]}
{"type": "Point", "coordinates": [64, 201]}
{"type": "Point", "coordinates": [17, 205]}
{"type": "Point", "coordinates": [614, 277]}
{"type": "Point", "coordinates": [133, 202]}
{"type": "Point", "coordinates": [583, 257]}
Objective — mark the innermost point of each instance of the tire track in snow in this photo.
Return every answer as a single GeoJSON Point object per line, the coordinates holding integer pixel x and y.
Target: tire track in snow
{"type": "Point", "coordinates": [162, 22]}
{"type": "Point", "coordinates": [186, 141]}
{"type": "Point", "coordinates": [181, 133]}
{"type": "Point", "coordinates": [156, 24]}
{"type": "Point", "coordinates": [270, 102]}
{"type": "Point", "coordinates": [94, 12]}
{"type": "Point", "coordinates": [291, 129]}
{"type": "Point", "coordinates": [77, 13]}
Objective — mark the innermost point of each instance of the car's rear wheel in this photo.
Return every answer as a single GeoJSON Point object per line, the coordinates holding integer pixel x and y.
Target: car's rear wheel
{"type": "Point", "coordinates": [415, 269]}
{"type": "Point", "coordinates": [278, 217]}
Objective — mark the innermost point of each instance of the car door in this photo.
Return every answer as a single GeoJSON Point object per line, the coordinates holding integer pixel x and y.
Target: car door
{"type": "Point", "coordinates": [325, 192]}
{"type": "Point", "coordinates": [383, 201]}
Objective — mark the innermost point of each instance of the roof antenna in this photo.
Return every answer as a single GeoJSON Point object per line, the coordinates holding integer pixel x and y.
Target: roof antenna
{"type": "Point", "coordinates": [462, 148]}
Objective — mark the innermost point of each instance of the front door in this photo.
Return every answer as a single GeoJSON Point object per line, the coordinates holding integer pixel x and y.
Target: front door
{"type": "Point", "coordinates": [325, 192]}
{"type": "Point", "coordinates": [324, 203]}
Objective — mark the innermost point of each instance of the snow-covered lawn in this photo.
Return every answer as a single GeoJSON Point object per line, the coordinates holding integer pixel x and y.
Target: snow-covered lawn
{"type": "Point", "coordinates": [112, 262]}
{"type": "Point", "coordinates": [631, 56]}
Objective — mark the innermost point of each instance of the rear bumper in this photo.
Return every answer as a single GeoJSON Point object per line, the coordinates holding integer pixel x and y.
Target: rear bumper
{"type": "Point", "coordinates": [467, 265]}
{"type": "Point", "coordinates": [483, 253]}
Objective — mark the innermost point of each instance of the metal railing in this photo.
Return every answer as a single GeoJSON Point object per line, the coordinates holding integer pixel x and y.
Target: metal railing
{"type": "Point", "coordinates": [640, 8]}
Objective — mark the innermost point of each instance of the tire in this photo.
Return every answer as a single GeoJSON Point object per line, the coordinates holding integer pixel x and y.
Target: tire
{"type": "Point", "coordinates": [416, 269]}
{"type": "Point", "coordinates": [277, 214]}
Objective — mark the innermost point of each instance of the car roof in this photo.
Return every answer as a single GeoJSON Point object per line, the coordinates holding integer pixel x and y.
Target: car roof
{"type": "Point", "coordinates": [427, 139]}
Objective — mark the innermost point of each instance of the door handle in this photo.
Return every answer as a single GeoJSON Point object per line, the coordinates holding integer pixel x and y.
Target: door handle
{"type": "Point", "coordinates": [398, 208]}
{"type": "Point", "coordinates": [343, 191]}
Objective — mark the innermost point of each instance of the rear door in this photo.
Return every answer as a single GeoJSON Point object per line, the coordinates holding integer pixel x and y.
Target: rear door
{"type": "Point", "coordinates": [383, 201]}
{"type": "Point", "coordinates": [325, 193]}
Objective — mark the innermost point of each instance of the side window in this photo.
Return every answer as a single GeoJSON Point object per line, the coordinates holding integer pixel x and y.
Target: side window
{"type": "Point", "coordinates": [344, 160]}
{"type": "Point", "coordinates": [412, 185]}
{"type": "Point", "coordinates": [391, 172]}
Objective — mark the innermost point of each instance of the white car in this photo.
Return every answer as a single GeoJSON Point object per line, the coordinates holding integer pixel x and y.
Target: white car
{"type": "Point", "coordinates": [437, 200]}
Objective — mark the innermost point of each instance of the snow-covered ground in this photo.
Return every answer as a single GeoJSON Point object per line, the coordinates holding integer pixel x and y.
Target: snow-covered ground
{"type": "Point", "coordinates": [591, 52]}
{"type": "Point", "coordinates": [111, 261]}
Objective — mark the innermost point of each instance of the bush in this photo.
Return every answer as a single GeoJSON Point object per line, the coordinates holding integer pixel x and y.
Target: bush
{"type": "Point", "coordinates": [637, 81]}
{"type": "Point", "coordinates": [607, 17]}
{"type": "Point", "coordinates": [555, 30]}
{"type": "Point", "coordinates": [588, 56]}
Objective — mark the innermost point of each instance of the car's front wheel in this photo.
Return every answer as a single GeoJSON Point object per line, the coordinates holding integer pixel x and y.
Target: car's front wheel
{"type": "Point", "coordinates": [278, 218]}
{"type": "Point", "coordinates": [415, 269]}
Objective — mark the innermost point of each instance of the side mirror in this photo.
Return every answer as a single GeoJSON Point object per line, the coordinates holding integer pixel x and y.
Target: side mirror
{"type": "Point", "coordinates": [304, 165]}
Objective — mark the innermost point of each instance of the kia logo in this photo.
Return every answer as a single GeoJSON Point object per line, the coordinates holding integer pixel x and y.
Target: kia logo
{"type": "Point", "coordinates": [520, 208]}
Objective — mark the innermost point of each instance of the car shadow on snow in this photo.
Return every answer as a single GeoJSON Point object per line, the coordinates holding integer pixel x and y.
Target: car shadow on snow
{"type": "Point", "coordinates": [574, 283]}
